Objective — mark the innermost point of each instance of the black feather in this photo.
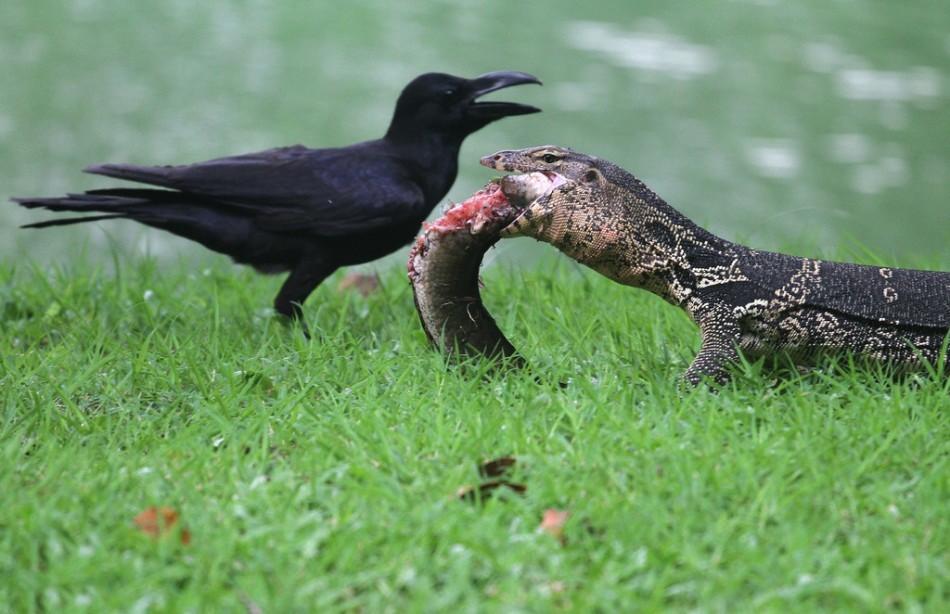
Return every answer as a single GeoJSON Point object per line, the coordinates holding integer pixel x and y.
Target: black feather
{"type": "Point", "coordinates": [306, 210]}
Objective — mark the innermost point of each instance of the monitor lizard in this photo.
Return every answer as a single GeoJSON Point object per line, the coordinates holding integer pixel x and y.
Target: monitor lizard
{"type": "Point", "coordinates": [744, 300]}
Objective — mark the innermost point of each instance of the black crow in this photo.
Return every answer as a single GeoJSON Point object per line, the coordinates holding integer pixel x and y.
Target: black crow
{"type": "Point", "coordinates": [310, 211]}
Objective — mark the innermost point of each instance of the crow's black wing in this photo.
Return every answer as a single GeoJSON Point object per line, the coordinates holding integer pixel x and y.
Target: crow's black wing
{"type": "Point", "coordinates": [296, 190]}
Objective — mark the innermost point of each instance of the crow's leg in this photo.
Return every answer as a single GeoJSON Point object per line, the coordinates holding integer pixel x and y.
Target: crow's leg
{"type": "Point", "coordinates": [303, 279]}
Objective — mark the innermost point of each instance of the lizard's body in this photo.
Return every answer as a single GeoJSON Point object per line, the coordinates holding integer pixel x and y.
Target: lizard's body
{"type": "Point", "coordinates": [762, 303]}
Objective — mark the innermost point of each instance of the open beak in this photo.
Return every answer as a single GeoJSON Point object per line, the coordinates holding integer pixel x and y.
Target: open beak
{"type": "Point", "coordinates": [490, 82]}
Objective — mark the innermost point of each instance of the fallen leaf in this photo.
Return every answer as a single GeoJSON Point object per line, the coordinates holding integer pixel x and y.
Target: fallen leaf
{"type": "Point", "coordinates": [486, 490]}
{"type": "Point", "coordinates": [497, 467]}
{"type": "Point", "coordinates": [553, 523]}
{"type": "Point", "coordinates": [359, 282]}
{"type": "Point", "coordinates": [157, 522]}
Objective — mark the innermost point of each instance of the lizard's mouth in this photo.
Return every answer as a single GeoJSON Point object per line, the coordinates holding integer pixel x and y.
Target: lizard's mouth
{"type": "Point", "coordinates": [525, 190]}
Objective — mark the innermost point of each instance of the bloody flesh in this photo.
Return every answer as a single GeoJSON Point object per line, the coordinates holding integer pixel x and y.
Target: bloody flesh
{"type": "Point", "coordinates": [443, 269]}
{"type": "Point", "coordinates": [484, 206]}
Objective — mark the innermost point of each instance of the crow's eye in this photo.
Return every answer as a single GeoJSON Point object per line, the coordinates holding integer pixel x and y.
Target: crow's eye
{"type": "Point", "coordinates": [549, 158]}
{"type": "Point", "coordinates": [449, 93]}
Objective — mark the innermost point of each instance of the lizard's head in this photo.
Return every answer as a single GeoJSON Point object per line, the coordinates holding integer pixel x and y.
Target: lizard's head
{"type": "Point", "coordinates": [558, 184]}
{"type": "Point", "coordinates": [547, 158]}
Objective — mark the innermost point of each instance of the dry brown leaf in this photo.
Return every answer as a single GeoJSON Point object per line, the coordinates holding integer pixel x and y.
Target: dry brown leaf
{"type": "Point", "coordinates": [487, 489]}
{"type": "Point", "coordinates": [363, 283]}
{"type": "Point", "coordinates": [553, 523]}
{"type": "Point", "coordinates": [496, 467]}
{"type": "Point", "coordinates": [157, 522]}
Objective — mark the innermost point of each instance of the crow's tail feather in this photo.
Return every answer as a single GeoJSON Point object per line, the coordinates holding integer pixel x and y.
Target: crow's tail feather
{"type": "Point", "coordinates": [72, 220]}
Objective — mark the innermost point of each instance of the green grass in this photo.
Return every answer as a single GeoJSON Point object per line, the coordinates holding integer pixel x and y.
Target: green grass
{"type": "Point", "coordinates": [322, 475]}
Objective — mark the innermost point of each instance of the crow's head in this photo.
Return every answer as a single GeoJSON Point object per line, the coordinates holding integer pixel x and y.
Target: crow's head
{"type": "Point", "coordinates": [446, 104]}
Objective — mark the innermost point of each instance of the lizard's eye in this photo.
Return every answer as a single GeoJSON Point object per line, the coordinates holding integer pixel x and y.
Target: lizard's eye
{"type": "Point", "coordinates": [549, 158]}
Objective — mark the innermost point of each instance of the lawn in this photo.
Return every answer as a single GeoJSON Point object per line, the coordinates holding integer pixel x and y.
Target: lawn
{"type": "Point", "coordinates": [325, 475]}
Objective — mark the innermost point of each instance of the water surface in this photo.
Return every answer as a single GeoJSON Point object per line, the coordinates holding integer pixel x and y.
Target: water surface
{"type": "Point", "coordinates": [810, 126]}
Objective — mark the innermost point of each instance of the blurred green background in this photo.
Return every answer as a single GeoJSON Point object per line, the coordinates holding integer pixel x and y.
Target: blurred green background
{"type": "Point", "coordinates": [810, 126]}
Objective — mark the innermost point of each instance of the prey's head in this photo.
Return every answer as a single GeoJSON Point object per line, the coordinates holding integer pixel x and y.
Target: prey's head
{"type": "Point", "coordinates": [558, 183]}
{"type": "Point", "coordinates": [449, 105]}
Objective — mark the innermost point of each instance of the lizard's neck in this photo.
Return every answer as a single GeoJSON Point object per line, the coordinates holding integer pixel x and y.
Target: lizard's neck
{"type": "Point", "coordinates": [664, 252]}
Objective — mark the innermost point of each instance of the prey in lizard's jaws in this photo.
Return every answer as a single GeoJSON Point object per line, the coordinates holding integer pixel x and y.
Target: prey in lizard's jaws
{"type": "Point", "coordinates": [524, 190]}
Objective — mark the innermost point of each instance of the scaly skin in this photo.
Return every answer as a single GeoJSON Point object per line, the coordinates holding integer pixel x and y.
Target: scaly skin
{"type": "Point", "coordinates": [444, 262]}
{"type": "Point", "coordinates": [443, 270]}
{"type": "Point", "coordinates": [742, 299]}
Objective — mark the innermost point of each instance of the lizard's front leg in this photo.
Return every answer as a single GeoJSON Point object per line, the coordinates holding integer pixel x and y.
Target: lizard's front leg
{"type": "Point", "coordinates": [718, 352]}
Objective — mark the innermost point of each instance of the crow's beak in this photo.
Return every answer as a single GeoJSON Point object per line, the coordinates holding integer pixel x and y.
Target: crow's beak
{"type": "Point", "coordinates": [490, 82]}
